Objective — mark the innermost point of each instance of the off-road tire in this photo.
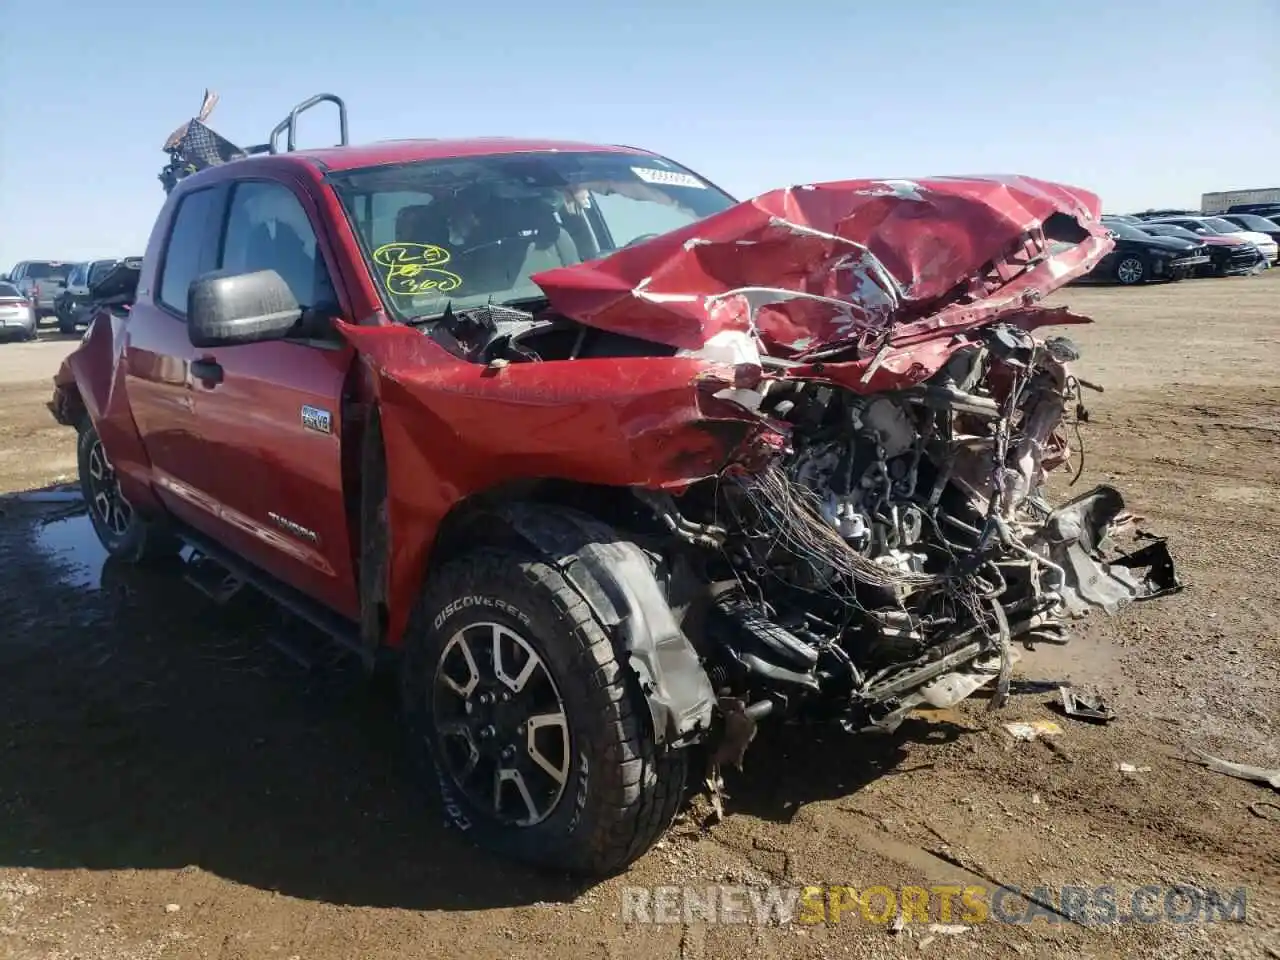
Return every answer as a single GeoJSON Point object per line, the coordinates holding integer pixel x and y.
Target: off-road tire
{"type": "Point", "coordinates": [622, 790]}
{"type": "Point", "coordinates": [141, 540]}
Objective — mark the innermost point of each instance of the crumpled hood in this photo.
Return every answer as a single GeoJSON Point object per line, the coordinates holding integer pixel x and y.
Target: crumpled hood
{"type": "Point", "coordinates": [838, 269]}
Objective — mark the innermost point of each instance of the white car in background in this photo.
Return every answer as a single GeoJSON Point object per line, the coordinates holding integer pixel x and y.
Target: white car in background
{"type": "Point", "coordinates": [17, 313]}
{"type": "Point", "coordinates": [1210, 226]}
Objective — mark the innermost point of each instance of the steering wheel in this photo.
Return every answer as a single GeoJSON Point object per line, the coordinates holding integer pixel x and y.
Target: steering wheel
{"type": "Point", "coordinates": [640, 239]}
{"type": "Point", "coordinates": [486, 245]}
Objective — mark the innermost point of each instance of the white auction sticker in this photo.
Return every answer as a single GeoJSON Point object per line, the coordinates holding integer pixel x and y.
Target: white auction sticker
{"type": "Point", "coordinates": [669, 177]}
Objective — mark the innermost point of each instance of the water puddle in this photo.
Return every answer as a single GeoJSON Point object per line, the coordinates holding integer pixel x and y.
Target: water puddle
{"type": "Point", "coordinates": [71, 543]}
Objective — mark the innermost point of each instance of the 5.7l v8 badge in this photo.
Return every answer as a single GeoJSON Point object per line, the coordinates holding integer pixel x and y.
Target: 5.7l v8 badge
{"type": "Point", "coordinates": [314, 418]}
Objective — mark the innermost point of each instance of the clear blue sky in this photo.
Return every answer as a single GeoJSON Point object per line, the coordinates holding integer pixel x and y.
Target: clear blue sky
{"type": "Point", "coordinates": [1147, 103]}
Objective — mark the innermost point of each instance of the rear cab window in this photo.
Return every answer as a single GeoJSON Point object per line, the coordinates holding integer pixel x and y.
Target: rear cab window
{"type": "Point", "coordinates": [48, 271]}
{"type": "Point", "coordinates": [98, 270]}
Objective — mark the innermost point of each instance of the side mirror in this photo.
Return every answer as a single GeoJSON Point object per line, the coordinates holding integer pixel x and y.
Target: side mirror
{"type": "Point", "coordinates": [224, 309]}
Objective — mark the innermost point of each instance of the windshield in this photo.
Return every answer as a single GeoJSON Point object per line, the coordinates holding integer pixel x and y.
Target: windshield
{"type": "Point", "coordinates": [1221, 226]}
{"type": "Point", "coordinates": [48, 271]}
{"type": "Point", "coordinates": [472, 230]}
{"type": "Point", "coordinates": [9, 290]}
{"type": "Point", "coordinates": [1169, 230]}
{"type": "Point", "coordinates": [1251, 221]}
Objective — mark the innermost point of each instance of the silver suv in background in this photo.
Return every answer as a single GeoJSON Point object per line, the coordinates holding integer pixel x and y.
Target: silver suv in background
{"type": "Point", "coordinates": [41, 282]}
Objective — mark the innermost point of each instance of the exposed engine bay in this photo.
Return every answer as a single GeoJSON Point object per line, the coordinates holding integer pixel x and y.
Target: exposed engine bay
{"type": "Point", "coordinates": [906, 541]}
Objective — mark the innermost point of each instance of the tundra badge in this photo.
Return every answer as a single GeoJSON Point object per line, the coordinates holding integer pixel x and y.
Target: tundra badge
{"type": "Point", "coordinates": [297, 529]}
{"type": "Point", "coordinates": [313, 418]}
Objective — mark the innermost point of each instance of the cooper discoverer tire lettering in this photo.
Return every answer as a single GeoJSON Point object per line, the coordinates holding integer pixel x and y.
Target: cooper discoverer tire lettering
{"type": "Point", "coordinates": [499, 647]}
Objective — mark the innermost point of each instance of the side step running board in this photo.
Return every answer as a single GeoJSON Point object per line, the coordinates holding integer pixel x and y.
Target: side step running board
{"type": "Point", "coordinates": [237, 573]}
{"type": "Point", "coordinates": [211, 578]}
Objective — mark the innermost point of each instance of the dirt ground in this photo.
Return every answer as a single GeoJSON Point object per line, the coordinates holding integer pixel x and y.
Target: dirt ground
{"type": "Point", "coordinates": [172, 785]}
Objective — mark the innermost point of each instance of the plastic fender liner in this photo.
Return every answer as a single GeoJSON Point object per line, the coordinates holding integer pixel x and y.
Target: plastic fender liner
{"type": "Point", "coordinates": [616, 579]}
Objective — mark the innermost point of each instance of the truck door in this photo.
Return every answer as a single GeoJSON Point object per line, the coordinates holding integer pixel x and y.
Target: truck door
{"type": "Point", "coordinates": [159, 354]}
{"type": "Point", "coordinates": [269, 415]}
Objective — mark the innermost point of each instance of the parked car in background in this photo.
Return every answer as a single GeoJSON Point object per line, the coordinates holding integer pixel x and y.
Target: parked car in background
{"type": "Point", "coordinates": [1152, 214]}
{"type": "Point", "coordinates": [1120, 218]}
{"type": "Point", "coordinates": [41, 282]}
{"type": "Point", "coordinates": [1227, 254]}
{"type": "Point", "coordinates": [1139, 257]}
{"type": "Point", "coordinates": [69, 307]}
{"type": "Point", "coordinates": [1205, 226]}
{"type": "Point", "coordinates": [1254, 223]}
{"type": "Point", "coordinates": [1261, 209]}
{"type": "Point", "coordinates": [17, 317]}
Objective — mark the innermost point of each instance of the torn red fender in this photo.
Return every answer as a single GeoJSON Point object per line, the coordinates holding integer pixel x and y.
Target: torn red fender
{"type": "Point", "coordinates": [90, 383]}
{"type": "Point", "coordinates": [452, 429]}
{"type": "Point", "coordinates": [869, 269]}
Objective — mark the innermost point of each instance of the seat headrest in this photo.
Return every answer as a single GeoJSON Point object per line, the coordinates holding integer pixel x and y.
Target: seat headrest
{"type": "Point", "coordinates": [419, 223]}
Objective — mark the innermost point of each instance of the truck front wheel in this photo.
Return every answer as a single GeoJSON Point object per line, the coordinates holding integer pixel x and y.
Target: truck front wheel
{"type": "Point", "coordinates": [535, 734]}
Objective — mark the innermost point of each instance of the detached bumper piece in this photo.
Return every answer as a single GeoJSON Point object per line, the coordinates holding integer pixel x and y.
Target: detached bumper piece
{"type": "Point", "coordinates": [1097, 574]}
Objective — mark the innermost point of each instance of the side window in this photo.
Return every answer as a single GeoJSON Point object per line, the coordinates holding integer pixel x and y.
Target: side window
{"type": "Point", "coordinates": [188, 252]}
{"type": "Point", "coordinates": [267, 229]}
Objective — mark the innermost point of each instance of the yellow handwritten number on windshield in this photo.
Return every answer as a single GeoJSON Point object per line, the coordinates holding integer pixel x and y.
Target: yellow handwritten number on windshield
{"type": "Point", "coordinates": [415, 268]}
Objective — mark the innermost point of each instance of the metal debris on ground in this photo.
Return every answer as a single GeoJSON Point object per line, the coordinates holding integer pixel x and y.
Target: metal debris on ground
{"type": "Point", "coordinates": [1130, 768]}
{"type": "Point", "coordinates": [1241, 771]}
{"type": "Point", "coordinates": [1033, 730]}
{"type": "Point", "coordinates": [1023, 685]}
{"type": "Point", "coordinates": [1265, 809]}
{"type": "Point", "coordinates": [1082, 706]}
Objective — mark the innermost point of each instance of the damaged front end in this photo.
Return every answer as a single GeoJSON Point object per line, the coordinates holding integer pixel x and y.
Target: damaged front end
{"type": "Point", "coordinates": [875, 531]}
{"type": "Point", "coordinates": [906, 542]}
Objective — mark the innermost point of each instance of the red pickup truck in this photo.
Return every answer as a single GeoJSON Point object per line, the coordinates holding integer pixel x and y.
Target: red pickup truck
{"type": "Point", "coordinates": [616, 465]}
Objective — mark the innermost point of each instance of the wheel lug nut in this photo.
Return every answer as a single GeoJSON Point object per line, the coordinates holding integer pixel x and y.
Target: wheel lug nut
{"type": "Point", "coordinates": [508, 752]}
{"type": "Point", "coordinates": [487, 732]}
{"type": "Point", "coordinates": [506, 697]}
